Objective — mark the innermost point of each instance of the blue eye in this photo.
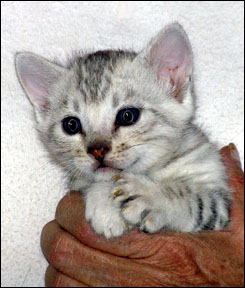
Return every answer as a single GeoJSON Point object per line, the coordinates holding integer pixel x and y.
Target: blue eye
{"type": "Point", "coordinates": [71, 125]}
{"type": "Point", "coordinates": [127, 116]}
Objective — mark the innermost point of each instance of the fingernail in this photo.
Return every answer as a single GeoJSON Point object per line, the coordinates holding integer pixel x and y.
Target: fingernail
{"type": "Point", "coordinates": [233, 152]}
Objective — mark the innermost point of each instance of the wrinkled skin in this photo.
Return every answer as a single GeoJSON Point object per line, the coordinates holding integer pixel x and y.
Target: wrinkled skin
{"type": "Point", "coordinates": [80, 258]}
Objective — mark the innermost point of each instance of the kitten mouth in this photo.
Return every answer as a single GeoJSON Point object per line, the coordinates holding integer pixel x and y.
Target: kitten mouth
{"type": "Point", "coordinates": [102, 167]}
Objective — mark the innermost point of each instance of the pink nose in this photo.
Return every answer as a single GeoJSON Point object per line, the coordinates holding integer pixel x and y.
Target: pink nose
{"type": "Point", "coordinates": [98, 151]}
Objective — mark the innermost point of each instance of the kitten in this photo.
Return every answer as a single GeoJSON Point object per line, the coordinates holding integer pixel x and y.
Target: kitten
{"type": "Point", "coordinates": [120, 125]}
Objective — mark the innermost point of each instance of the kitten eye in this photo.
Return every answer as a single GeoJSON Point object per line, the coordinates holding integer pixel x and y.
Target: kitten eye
{"type": "Point", "coordinates": [72, 125]}
{"type": "Point", "coordinates": [127, 116]}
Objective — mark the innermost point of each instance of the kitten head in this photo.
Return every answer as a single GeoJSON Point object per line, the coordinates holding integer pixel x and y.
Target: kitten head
{"type": "Point", "coordinates": [113, 110]}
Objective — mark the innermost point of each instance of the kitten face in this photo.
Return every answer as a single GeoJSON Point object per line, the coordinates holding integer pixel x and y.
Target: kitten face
{"type": "Point", "coordinates": [94, 89]}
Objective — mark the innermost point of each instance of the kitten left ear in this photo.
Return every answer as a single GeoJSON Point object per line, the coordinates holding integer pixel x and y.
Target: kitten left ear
{"type": "Point", "coordinates": [170, 56]}
{"type": "Point", "coordinates": [37, 75]}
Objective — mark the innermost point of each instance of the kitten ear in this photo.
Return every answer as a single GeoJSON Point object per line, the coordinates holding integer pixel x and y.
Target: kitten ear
{"type": "Point", "coordinates": [170, 56]}
{"type": "Point", "coordinates": [36, 75]}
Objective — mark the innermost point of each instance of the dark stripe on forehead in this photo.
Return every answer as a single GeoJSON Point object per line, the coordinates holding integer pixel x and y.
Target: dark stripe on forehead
{"type": "Point", "coordinates": [64, 102]}
{"type": "Point", "coordinates": [115, 101]}
{"type": "Point", "coordinates": [76, 105]}
{"type": "Point", "coordinates": [130, 93]}
{"type": "Point", "coordinates": [94, 72]}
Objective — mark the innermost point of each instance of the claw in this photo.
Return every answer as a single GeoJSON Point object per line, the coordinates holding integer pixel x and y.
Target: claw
{"type": "Point", "coordinates": [118, 192]}
{"type": "Point", "coordinates": [116, 177]}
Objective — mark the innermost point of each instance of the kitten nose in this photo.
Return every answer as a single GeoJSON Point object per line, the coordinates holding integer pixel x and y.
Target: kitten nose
{"type": "Point", "coordinates": [98, 151]}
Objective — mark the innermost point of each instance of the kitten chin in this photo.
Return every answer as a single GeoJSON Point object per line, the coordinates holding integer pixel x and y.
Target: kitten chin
{"type": "Point", "coordinates": [105, 174]}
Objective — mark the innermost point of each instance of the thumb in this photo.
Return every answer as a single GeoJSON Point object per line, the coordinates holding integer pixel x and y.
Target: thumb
{"type": "Point", "coordinates": [235, 174]}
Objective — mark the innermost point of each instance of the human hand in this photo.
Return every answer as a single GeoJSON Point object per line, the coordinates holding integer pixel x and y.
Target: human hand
{"type": "Point", "coordinates": [80, 258]}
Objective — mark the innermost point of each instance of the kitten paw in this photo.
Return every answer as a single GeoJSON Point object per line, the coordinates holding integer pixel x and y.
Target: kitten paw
{"type": "Point", "coordinates": [136, 203]}
{"type": "Point", "coordinates": [104, 217]}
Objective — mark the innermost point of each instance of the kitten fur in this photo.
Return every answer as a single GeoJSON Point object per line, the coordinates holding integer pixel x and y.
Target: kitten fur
{"type": "Point", "coordinates": [162, 171]}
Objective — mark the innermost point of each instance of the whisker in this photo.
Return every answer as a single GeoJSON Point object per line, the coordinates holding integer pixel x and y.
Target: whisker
{"type": "Point", "coordinates": [146, 143]}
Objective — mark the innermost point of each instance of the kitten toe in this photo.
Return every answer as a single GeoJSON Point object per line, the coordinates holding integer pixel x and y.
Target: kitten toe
{"type": "Point", "coordinates": [115, 228]}
{"type": "Point", "coordinates": [151, 223]}
{"type": "Point", "coordinates": [117, 192]}
{"type": "Point", "coordinates": [112, 226]}
{"type": "Point", "coordinates": [132, 209]}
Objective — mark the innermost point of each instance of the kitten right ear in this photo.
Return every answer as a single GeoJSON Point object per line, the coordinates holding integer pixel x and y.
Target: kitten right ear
{"type": "Point", "coordinates": [36, 75]}
{"type": "Point", "coordinates": [169, 53]}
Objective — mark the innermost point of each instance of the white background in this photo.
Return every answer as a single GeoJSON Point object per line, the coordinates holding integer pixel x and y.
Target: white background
{"type": "Point", "coordinates": [31, 186]}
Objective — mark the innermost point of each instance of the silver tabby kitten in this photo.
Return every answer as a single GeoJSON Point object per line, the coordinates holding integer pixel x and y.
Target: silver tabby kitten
{"type": "Point", "coordinates": [120, 124]}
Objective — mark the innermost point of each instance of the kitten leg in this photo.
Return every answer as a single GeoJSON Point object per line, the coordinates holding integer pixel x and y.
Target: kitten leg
{"type": "Point", "coordinates": [104, 217]}
{"type": "Point", "coordinates": [172, 205]}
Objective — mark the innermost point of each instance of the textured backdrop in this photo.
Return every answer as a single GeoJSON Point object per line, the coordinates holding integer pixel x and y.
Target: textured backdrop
{"type": "Point", "coordinates": [31, 186]}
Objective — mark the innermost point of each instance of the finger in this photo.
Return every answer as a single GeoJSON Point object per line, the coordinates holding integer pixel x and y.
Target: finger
{"type": "Point", "coordinates": [135, 244]}
{"type": "Point", "coordinates": [61, 251]}
{"type": "Point", "coordinates": [232, 162]}
{"type": "Point", "coordinates": [235, 175]}
{"type": "Point", "coordinates": [54, 278]}
{"type": "Point", "coordinates": [88, 265]}
{"type": "Point", "coordinates": [48, 236]}
{"type": "Point", "coordinates": [236, 180]}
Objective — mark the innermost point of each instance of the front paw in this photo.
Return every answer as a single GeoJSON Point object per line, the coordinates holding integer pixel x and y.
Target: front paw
{"type": "Point", "coordinates": [137, 201]}
{"type": "Point", "coordinates": [104, 217]}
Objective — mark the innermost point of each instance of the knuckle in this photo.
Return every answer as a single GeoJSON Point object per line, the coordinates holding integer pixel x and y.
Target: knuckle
{"type": "Point", "coordinates": [61, 250]}
{"type": "Point", "coordinates": [51, 277]}
{"type": "Point", "coordinates": [181, 258]}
